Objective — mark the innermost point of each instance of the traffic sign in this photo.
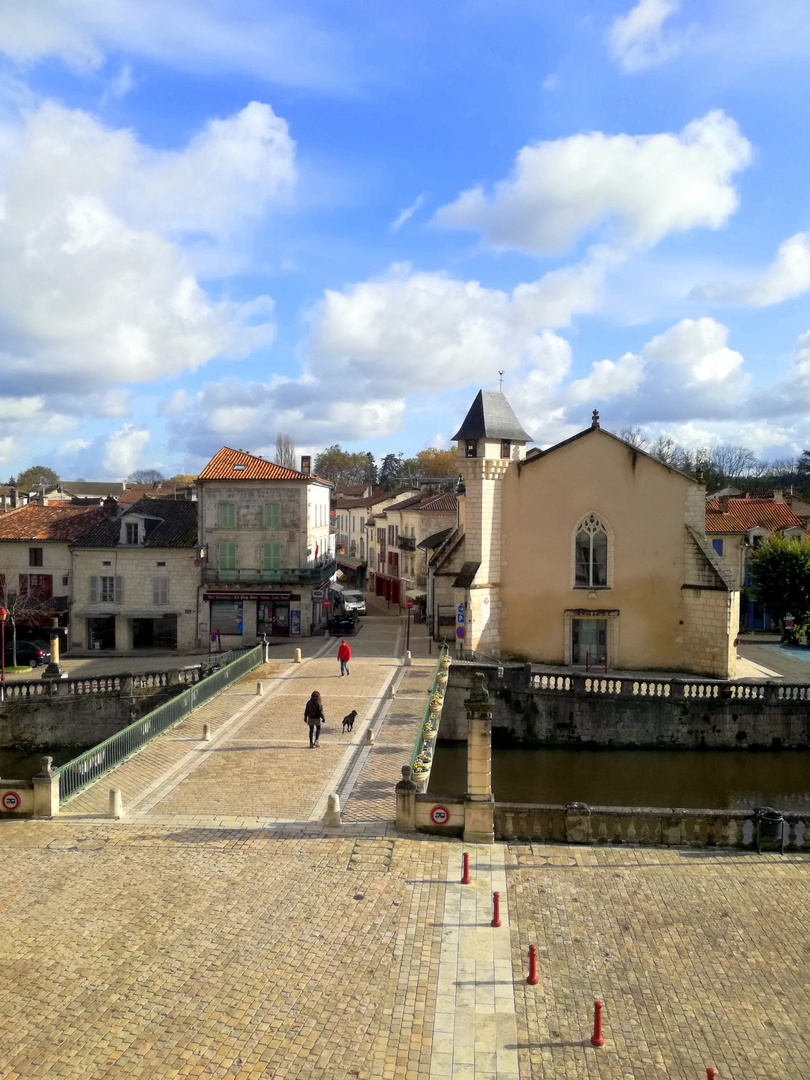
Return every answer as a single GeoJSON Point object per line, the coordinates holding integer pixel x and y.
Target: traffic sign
{"type": "Point", "coordinates": [439, 815]}
{"type": "Point", "coordinates": [460, 631]}
{"type": "Point", "coordinates": [317, 594]}
{"type": "Point", "coordinates": [409, 602]}
{"type": "Point", "coordinates": [326, 603]}
{"type": "Point", "coordinates": [11, 800]}
{"type": "Point", "coordinates": [461, 609]}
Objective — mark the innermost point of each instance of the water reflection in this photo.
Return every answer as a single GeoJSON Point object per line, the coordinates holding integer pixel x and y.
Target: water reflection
{"type": "Point", "coordinates": [23, 764]}
{"type": "Point", "coordinates": [713, 779]}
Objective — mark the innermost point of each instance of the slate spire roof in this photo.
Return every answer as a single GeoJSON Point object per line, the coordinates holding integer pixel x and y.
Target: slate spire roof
{"type": "Point", "coordinates": [491, 417]}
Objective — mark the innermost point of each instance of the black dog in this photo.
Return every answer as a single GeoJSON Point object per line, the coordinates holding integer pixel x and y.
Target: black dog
{"type": "Point", "coordinates": [348, 721]}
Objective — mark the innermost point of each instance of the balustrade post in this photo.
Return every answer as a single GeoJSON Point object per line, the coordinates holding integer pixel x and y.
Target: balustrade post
{"type": "Point", "coordinates": [406, 801]}
{"type": "Point", "coordinates": [46, 790]}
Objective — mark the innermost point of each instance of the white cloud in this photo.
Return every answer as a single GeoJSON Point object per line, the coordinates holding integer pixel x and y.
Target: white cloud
{"type": "Point", "coordinates": [637, 40]}
{"type": "Point", "coordinates": [278, 43]}
{"type": "Point", "coordinates": [648, 185]}
{"type": "Point", "coordinates": [122, 83]}
{"type": "Point", "coordinates": [406, 214]}
{"type": "Point", "coordinates": [175, 405]}
{"type": "Point", "coordinates": [8, 449]}
{"type": "Point", "coordinates": [123, 448]}
{"type": "Point", "coordinates": [90, 288]}
{"type": "Point", "coordinates": [788, 276]}
{"type": "Point", "coordinates": [72, 446]}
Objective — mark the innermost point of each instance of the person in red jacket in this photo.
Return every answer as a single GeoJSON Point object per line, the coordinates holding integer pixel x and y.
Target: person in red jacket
{"type": "Point", "coordinates": [344, 656]}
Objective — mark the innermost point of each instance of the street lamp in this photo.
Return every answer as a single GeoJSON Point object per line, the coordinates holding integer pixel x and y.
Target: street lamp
{"type": "Point", "coordinates": [3, 617]}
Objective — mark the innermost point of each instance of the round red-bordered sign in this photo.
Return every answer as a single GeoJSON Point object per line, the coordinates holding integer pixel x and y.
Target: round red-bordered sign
{"type": "Point", "coordinates": [439, 815]}
{"type": "Point", "coordinates": [11, 800]}
{"type": "Point", "coordinates": [459, 631]}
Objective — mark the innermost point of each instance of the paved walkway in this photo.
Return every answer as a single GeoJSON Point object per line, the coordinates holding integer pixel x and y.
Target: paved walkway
{"type": "Point", "coordinates": [221, 930]}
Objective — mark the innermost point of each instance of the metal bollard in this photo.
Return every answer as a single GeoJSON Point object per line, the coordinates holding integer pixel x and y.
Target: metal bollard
{"type": "Point", "coordinates": [116, 804]}
{"type": "Point", "coordinates": [465, 877]}
{"type": "Point", "coordinates": [259, 690]}
{"type": "Point", "coordinates": [206, 735]}
{"type": "Point", "coordinates": [532, 979]}
{"type": "Point", "coordinates": [297, 659]}
{"type": "Point", "coordinates": [596, 1038]}
{"type": "Point", "coordinates": [407, 659]}
{"type": "Point", "coordinates": [711, 1073]}
{"type": "Point", "coordinates": [496, 915]}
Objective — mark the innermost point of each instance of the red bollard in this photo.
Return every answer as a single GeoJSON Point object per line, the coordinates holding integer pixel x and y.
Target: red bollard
{"type": "Point", "coordinates": [596, 1038]}
{"type": "Point", "coordinates": [711, 1073]}
{"type": "Point", "coordinates": [465, 877]}
{"type": "Point", "coordinates": [533, 979]}
{"type": "Point", "coordinates": [496, 917]}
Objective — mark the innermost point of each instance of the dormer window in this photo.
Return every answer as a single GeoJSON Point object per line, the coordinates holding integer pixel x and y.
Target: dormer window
{"type": "Point", "coordinates": [132, 532]}
{"type": "Point", "coordinates": [506, 448]}
{"type": "Point", "coordinates": [239, 468]}
{"type": "Point", "coordinates": [471, 448]}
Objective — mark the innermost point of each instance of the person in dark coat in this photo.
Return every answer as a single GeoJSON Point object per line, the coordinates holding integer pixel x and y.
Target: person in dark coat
{"type": "Point", "coordinates": [344, 656]}
{"type": "Point", "coordinates": [313, 715]}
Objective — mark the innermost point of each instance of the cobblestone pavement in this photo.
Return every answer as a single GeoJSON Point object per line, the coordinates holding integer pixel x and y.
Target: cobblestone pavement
{"type": "Point", "coordinates": [221, 930]}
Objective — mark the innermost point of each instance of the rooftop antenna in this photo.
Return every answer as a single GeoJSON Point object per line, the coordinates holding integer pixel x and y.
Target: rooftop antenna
{"type": "Point", "coordinates": [500, 382]}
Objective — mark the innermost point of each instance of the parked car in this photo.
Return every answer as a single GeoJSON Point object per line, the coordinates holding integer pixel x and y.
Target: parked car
{"type": "Point", "coordinates": [342, 625]}
{"type": "Point", "coordinates": [32, 653]}
{"type": "Point", "coordinates": [353, 601]}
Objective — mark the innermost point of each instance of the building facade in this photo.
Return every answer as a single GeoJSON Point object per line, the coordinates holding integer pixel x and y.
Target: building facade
{"type": "Point", "coordinates": [266, 549]}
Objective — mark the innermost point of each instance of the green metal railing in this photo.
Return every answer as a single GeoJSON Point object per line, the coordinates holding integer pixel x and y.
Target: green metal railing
{"type": "Point", "coordinates": [89, 766]}
{"type": "Point", "coordinates": [417, 749]}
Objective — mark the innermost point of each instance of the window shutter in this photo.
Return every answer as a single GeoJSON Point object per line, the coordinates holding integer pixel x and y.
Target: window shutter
{"type": "Point", "coordinates": [93, 590]}
{"type": "Point", "coordinates": [119, 589]}
{"type": "Point", "coordinates": [160, 590]}
{"type": "Point", "coordinates": [271, 555]}
{"type": "Point", "coordinates": [271, 515]}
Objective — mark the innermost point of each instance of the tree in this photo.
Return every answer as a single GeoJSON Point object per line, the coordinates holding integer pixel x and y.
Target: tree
{"type": "Point", "coordinates": [145, 476]}
{"type": "Point", "coordinates": [33, 606]}
{"type": "Point", "coordinates": [342, 467]}
{"type": "Point", "coordinates": [390, 471]}
{"type": "Point", "coordinates": [285, 450]}
{"type": "Point", "coordinates": [780, 578]}
{"type": "Point", "coordinates": [30, 479]}
{"type": "Point", "coordinates": [433, 462]}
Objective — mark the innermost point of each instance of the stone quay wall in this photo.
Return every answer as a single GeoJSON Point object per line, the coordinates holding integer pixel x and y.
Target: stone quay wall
{"type": "Point", "coordinates": [567, 710]}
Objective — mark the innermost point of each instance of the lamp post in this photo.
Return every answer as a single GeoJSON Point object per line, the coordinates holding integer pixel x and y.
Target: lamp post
{"type": "Point", "coordinates": [3, 617]}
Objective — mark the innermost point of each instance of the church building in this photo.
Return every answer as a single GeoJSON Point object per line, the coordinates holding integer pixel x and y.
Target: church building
{"type": "Point", "coordinates": [590, 554]}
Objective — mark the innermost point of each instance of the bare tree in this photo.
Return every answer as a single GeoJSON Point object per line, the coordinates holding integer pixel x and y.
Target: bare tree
{"type": "Point", "coordinates": [285, 450]}
{"type": "Point", "coordinates": [30, 605]}
{"type": "Point", "coordinates": [635, 437]}
{"type": "Point", "coordinates": [145, 476]}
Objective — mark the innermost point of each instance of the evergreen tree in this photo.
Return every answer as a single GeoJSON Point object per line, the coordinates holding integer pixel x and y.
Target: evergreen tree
{"type": "Point", "coordinates": [780, 577]}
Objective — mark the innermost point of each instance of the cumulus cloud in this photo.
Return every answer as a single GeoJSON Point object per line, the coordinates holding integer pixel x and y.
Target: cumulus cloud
{"type": "Point", "coordinates": [637, 40]}
{"type": "Point", "coordinates": [644, 185]}
{"type": "Point", "coordinates": [92, 286]}
{"type": "Point", "coordinates": [123, 449]}
{"type": "Point", "coordinates": [788, 276]}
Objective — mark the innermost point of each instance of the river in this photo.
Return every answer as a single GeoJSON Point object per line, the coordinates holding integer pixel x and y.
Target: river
{"type": "Point", "coordinates": [691, 779]}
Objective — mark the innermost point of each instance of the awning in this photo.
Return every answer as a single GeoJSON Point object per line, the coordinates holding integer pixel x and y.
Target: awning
{"type": "Point", "coordinates": [352, 563]}
{"type": "Point", "coordinates": [416, 594]}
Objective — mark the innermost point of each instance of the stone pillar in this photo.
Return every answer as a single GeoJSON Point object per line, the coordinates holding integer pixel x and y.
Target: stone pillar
{"type": "Point", "coordinates": [46, 791]}
{"type": "Point", "coordinates": [406, 801]}
{"type": "Point", "coordinates": [479, 810]}
{"type": "Point", "coordinates": [53, 671]}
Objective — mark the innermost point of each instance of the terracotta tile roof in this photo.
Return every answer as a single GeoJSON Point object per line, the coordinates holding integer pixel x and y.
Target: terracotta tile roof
{"type": "Point", "coordinates": [165, 489]}
{"type": "Point", "coordinates": [348, 502]}
{"type": "Point", "coordinates": [745, 514]}
{"type": "Point", "coordinates": [58, 522]}
{"type": "Point", "coordinates": [177, 528]}
{"type": "Point", "coordinates": [442, 502]}
{"type": "Point", "coordinates": [222, 467]}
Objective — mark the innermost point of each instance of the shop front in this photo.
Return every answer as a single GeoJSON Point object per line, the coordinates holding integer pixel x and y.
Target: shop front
{"type": "Point", "coordinates": [241, 618]}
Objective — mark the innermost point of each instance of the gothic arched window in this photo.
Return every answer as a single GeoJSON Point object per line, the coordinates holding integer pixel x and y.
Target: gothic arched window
{"type": "Point", "coordinates": [591, 555]}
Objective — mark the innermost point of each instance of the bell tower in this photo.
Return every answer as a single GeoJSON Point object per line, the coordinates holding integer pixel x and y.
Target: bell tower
{"type": "Point", "coordinates": [490, 440]}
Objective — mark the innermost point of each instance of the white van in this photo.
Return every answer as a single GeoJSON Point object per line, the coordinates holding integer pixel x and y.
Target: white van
{"type": "Point", "coordinates": [354, 602]}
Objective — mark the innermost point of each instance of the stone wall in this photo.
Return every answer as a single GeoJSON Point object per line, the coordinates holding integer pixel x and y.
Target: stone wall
{"type": "Point", "coordinates": [575, 710]}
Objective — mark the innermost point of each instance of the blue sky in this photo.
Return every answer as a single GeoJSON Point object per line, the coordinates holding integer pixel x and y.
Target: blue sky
{"type": "Point", "coordinates": [222, 219]}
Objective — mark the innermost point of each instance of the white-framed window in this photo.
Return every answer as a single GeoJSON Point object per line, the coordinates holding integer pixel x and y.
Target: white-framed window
{"type": "Point", "coordinates": [591, 555]}
{"type": "Point", "coordinates": [160, 589]}
{"type": "Point", "coordinates": [226, 515]}
{"type": "Point", "coordinates": [106, 589]}
{"type": "Point", "coordinates": [271, 515]}
{"type": "Point", "coordinates": [132, 532]}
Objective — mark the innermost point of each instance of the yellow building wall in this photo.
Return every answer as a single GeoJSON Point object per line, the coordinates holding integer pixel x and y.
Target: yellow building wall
{"type": "Point", "coordinates": [645, 508]}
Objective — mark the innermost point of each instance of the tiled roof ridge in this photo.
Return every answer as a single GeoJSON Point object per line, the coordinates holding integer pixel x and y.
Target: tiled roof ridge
{"type": "Point", "coordinates": [256, 468]}
{"type": "Point", "coordinates": [743, 514]}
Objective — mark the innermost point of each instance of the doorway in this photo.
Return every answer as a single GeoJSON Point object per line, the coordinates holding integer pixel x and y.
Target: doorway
{"type": "Point", "coordinates": [588, 641]}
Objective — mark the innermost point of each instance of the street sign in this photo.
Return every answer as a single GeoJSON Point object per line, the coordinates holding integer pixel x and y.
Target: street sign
{"type": "Point", "coordinates": [326, 603]}
{"type": "Point", "coordinates": [11, 800]}
{"type": "Point", "coordinates": [409, 602]}
{"type": "Point", "coordinates": [460, 631]}
{"type": "Point", "coordinates": [439, 815]}
{"type": "Point", "coordinates": [461, 609]}
{"type": "Point", "coordinates": [317, 594]}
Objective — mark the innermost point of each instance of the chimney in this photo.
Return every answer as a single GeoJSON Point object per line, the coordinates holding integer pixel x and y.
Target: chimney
{"type": "Point", "coordinates": [110, 506]}
{"type": "Point", "coordinates": [306, 464]}
{"type": "Point", "coordinates": [778, 495]}
{"type": "Point", "coordinates": [723, 500]}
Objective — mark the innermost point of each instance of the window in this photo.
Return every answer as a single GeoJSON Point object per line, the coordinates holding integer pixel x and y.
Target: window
{"type": "Point", "coordinates": [471, 448]}
{"type": "Point", "coordinates": [160, 589]}
{"type": "Point", "coordinates": [271, 516]}
{"type": "Point", "coordinates": [37, 586]}
{"type": "Point", "coordinates": [756, 541]}
{"type": "Point", "coordinates": [506, 448]}
{"type": "Point", "coordinates": [226, 616]}
{"type": "Point", "coordinates": [718, 546]}
{"type": "Point", "coordinates": [271, 556]}
{"type": "Point", "coordinates": [227, 515]}
{"type": "Point", "coordinates": [590, 555]}
{"type": "Point", "coordinates": [132, 532]}
{"type": "Point", "coordinates": [226, 560]}
{"type": "Point", "coordinates": [35, 556]}
{"type": "Point", "coordinates": [106, 589]}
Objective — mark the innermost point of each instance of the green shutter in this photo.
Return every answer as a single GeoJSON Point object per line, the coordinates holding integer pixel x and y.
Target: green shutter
{"type": "Point", "coordinates": [227, 555]}
{"type": "Point", "coordinates": [271, 555]}
{"type": "Point", "coordinates": [227, 515]}
{"type": "Point", "coordinates": [271, 515]}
